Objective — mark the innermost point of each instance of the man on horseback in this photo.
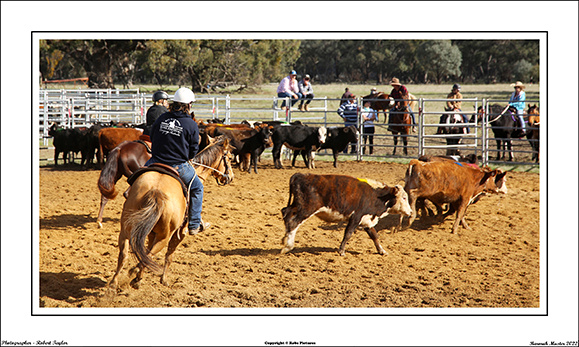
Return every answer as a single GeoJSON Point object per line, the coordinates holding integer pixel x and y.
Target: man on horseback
{"type": "Point", "coordinates": [159, 107]}
{"type": "Point", "coordinates": [454, 104]}
{"type": "Point", "coordinates": [175, 138]}
{"type": "Point", "coordinates": [518, 101]}
{"type": "Point", "coordinates": [401, 96]}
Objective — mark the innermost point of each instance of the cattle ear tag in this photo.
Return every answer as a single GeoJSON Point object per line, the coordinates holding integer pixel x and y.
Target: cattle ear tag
{"type": "Point", "coordinates": [363, 180]}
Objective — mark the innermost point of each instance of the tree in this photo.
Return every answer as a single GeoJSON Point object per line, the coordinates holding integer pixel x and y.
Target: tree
{"type": "Point", "coordinates": [439, 58]}
{"type": "Point", "coordinates": [208, 64]}
{"type": "Point", "coordinates": [100, 57]}
{"type": "Point", "coordinates": [522, 70]}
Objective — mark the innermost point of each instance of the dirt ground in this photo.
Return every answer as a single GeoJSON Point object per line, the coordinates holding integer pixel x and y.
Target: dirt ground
{"type": "Point", "coordinates": [237, 262]}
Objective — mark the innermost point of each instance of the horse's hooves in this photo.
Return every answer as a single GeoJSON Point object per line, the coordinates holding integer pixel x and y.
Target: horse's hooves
{"type": "Point", "coordinates": [135, 284]}
{"type": "Point", "coordinates": [100, 225]}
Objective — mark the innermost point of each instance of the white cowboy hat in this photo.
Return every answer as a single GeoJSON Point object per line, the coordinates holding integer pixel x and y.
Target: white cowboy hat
{"type": "Point", "coordinates": [518, 84]}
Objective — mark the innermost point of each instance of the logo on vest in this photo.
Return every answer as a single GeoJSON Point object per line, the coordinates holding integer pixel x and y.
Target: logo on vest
{"type": "Point", "coordinates": [171, 126]}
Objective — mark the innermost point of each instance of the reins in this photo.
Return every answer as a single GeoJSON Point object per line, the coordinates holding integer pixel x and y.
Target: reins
{"type": "Point", "coordinates": [223, 174]}
{"type": "Point", "coordinates": [500, 115]}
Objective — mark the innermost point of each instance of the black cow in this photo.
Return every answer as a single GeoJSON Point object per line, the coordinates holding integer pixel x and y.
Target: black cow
{"type": "Point", "coordinates": [297, 137]}
{"type": "Point", "coordinates": [337, 139]}
{"type": "Point", "coordinates": [91, 142]}
{"type": "Point", "coordinates": [247, 143]}
{"type": "Point", "coordinates": [68, 142]}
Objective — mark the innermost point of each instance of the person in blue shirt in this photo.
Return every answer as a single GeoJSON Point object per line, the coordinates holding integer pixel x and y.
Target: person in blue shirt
{"type": "Point", "coordinates": [175, 140]}
{"type": "Point", "coordinates": [518, 101]}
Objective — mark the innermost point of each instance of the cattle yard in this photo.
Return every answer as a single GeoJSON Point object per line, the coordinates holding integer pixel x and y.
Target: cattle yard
{"type": "Point", "coordinates": [237, 263]}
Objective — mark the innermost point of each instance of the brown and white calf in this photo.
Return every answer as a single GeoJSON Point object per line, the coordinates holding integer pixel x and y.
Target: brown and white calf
{"type": "Point", "coordinates": [450, 182]}
{"type": "Point", "coordinates": [335, 198]}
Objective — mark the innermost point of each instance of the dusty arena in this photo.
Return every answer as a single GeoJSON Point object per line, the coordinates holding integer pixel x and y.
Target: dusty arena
{"type": "Point", "coordinates": [237, 263]}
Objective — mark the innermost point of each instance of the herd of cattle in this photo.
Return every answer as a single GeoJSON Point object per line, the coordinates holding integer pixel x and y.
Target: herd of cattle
{"type": "Point", "coordinates": [454, 182]}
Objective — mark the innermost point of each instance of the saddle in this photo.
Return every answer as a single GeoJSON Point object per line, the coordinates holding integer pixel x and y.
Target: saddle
{"type": "Point", "coordinates": [163, 169]}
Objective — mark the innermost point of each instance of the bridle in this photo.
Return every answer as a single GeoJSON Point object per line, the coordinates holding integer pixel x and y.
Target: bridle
{"type": "Point", "coordinates": [225, 175]}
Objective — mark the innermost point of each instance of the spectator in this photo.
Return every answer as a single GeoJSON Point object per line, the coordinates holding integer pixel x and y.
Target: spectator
{"type": "Point", "coordinates": [518, 101]}
{"type": "Point", "coordinates": [345, 96]}
{"type": "Point", "coordinates": [454, 104]}
{"type": "Point", "coordinates": [400, 95]}
{"type": "Point", "coordinates": [307, 91]}
{"type": "Point", "coordinates": [349, 113]}
{"type": "Point", "coordinates": [288, 87]}
{"type": "Point", "coordinates": [175, 138]}
{"type": "Point", "coordinates": [159, 107]}
{"type": "Point", "coordinates": [368, 117]}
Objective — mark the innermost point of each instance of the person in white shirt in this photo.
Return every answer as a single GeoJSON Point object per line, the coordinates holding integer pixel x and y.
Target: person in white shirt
{"type": "Point", "coordinates": [368, 117]}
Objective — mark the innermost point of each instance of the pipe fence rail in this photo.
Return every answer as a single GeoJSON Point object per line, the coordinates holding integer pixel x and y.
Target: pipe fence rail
{"type": "Point", "coordinates": [85, 107]}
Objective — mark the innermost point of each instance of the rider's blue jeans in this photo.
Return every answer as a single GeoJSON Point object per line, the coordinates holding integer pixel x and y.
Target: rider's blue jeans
{"type": "Point", "coordinates": [188, 174]}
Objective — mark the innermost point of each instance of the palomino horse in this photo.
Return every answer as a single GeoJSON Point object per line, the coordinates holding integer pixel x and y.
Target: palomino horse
{"type": "Point", "coordinates": [533, 130]}
{"type": "Point", "coordinates": [450, 125]}
{"type": "Point", "coordinates": [124, 160]}
{"type": "Point", "coordinates": [155, 209]}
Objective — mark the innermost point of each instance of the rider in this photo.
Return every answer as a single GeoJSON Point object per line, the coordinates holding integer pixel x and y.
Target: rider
{"type": "Point", "coordinates": [455, 105]}
{"type": "Point", "coordinates": [159, 107]}
{"type": "Point", "coordinates": [518, 101]}
{"type": "Point", "coordinates": [400, 93]}
{"type": "Point", "coordinates": [175, 138]}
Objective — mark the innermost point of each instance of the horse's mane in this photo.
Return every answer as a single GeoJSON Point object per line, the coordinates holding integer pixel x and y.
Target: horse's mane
{"type": "Point", "coordinates": [209, 153]}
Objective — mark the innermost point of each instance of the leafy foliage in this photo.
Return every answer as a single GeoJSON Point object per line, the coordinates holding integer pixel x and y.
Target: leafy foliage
{"type": "Point", "coordinates": [208, 65]}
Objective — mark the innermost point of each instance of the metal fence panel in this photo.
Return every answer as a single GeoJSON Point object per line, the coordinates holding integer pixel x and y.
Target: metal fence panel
{"type": "Point", "coordinates": [84, 107]}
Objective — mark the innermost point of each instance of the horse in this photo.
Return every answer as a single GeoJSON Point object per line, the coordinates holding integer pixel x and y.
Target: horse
{"type": "Point", "coordinates": [446, 120]}
{"type": "Point", "coordinates": [400, 124]}
{"type": "Point", "coordinates": [155, 209]}
{"type": "Point", "coordinates": [378, 102]}
{"type": "Point", "coordinates": [504, 124]}
{"type": "Point", "coordinates": [533, 130]}
{"type": "Point", "coordinates": [124, 160]}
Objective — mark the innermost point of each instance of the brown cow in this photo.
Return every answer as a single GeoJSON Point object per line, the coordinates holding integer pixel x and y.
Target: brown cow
{"type": "Point", "coordinates": [449, 182]}
{"type": "Point", "coordinates": [247, 143]}
{"type": "Point", "coordinates": [109, 138]}
{"type": "Point", "coordinates": [498, 185]}
{"type": "Point", "coordinates": [335, 198]}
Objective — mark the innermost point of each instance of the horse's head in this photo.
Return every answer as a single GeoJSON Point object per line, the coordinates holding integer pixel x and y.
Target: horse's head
{"type": "Point", "coordinates": [224, 174]}
{"type": "Point", "coordinates": [480, 111]}
{"type": "Point", "coordinates": [533, 112]}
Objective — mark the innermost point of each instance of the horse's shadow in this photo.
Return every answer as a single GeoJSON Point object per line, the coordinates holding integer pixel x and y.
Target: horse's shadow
{"type": "Point", "coordinates": [71, 220]}
{"type": "Point", "coordinates": [68, 286]}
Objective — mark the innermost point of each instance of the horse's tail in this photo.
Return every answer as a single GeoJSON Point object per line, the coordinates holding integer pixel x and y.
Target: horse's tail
{"type": "Point", "coordinates": [141, 223]}
{"type": "Point", "coordinates": [108, 176]}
